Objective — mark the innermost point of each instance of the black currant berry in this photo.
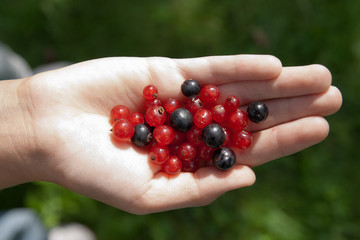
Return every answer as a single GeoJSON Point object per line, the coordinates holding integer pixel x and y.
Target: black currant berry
{"type": "Point", "coordinates": [257, 112]}
{"type": "Point", "coordinates": [213, 135]}
{"type": "Point", "coordinates": [224, 158]}
{"type": "Point", "coordinates": [181, 119]}
{"type": "Point", "coordinates": [142, 135]}
{"type": "Point", "coordinates": [190, 88]}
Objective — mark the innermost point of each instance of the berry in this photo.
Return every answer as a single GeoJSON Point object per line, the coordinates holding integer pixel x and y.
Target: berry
{"type": "Point", "coordinates": [202, 118]}
{"type": "Point", "coordinates": [204, 152]}
{"type": "Point", "coordinates": [238, 119]}
{"type": "Point", "coordinates": [173, 165]}
{"type": "Point", "coordinates": [209, 94]}
{"type": "Point", "coordinates": [228, 135]}
{"type": "Point", "coordinates": [164, 134]}
{"type": "Point", "coordinates": [181, 120]}
{"type": "Point", "coordinates": [174, 149]}
{"type": "Point", "coordinates": [171, 104]}
{"type": "Point", "coordinates": [194, 135]}
{"type": "Point", "coordinates": [150, 92]}
{"type": "Point", "coordinates": [187, 152]}
{"type": "Point", "coordinates": [179, 137]}
{"type": "Point", "coordinates": [213, 135]}
{"type": "Point", "coordinates": [122, 130]}
{"type": "Point", "coordinates": [231, 103]}
{"type": "Point", "coordinates": [194, 104]}
{"type": "Point", "coordinates": [190, 166]}
{"type": "Point", "coordinates": [257, 112]}
{"type": "Point", "coordinates": [167, 131]}
{"type": "Point", "coordinates": [190, 88]}
{"type": "Point", "coordinates": [136, 118]}
{"type": "Point", "coordinates": [241, 139]}
{"type": "Point", "coordinates": [159, 154]}
{"type": "Point", "coordinates": [153, 102]}
{"type": "Point", "coordinates": [119, 112]}
{"type": "Point", "coordinates": [218, 113]}
{"type": "Point", "coordinates": [142, 135]}
{"type": "Point", "coordinates": [155, 116]}
{"type": "Point", "coordinates": [224, 158]}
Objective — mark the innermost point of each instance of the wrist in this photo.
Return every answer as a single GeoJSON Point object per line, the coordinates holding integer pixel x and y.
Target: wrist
{"type": "Point", "coordinates": [17, 138]}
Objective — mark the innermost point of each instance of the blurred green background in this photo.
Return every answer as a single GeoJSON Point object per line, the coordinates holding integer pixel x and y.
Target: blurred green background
{"type": "Point", "coordinates": [310, 195]}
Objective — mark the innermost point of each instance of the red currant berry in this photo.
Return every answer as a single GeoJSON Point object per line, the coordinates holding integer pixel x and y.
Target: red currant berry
{"type": "Point", "coordinates": [191, 166]}
{"type": "Point", "coordinates": [174, 149]}
{"type": "Point", "coordinates": [187, 152]}
{"type": "Point", "coordinates": [159, 154]}
{"type": "Point", "coordinates": [218, 113]}
{"type": "Point", "coordinates": [202, 118]}
{"type": "Point", "coordinates": [122, 130]}
{"type": "Point", "coordinates": [136, 118]}
{"type": "Point", "coordinates": [238, 119]}
{"type": "Point", "coordinates": [155, 116]}
{"type": "Point", "coordinates": [209, 94]}
{"type": "Point", "coordinates": [119, 112]}
{"type": "Point", "coordinates": [171, 104]}
{"type": "Point", "coordinates": [164, 134]}
{"type": "Point", "coordinates": [193, 105]}
{"type": "Point", "coordinates": [179, 137]}
{"type": "Point", "coordinates": [231, 103]}
{"type": "Point", "coordinates": [228, 135]}
{"type": "Point", "coordinates": [152, 144]}
{"type": "Point", "coordinates": [150, 92]}
{"type": "Point", "coordinates": [151, 103]}
{"type": "Point", "coordinates": [194, 135]}
{"type": "Point", "coordinates": [204, 152]}
{"type": "Point", "coordinates": [173, 165]}
{"type": "Point", "coordinates": [241, 139]}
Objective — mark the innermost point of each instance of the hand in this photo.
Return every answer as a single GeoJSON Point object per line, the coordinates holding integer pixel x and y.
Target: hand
{"type": "Point", "coordinates": [68, 110]}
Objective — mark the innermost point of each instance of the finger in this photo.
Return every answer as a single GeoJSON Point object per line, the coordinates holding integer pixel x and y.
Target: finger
{"type": "Point", "coordinates": [287, 109]}
{"type": "Point", "coordinates": [293, 81]}
{"type": "Point", "coordinates": [193, 189]}
{"type": "Point", "coordinates": [225, 69]}
{"type": "Point", "coordinates": [283, 140]}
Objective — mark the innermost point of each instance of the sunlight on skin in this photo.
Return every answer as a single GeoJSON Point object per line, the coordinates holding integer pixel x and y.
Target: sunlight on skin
{"type": "Point", "coordinates": [69, 110]}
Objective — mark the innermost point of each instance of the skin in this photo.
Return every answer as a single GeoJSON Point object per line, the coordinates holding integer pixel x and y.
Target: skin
{"type": "Point", "coordinates": [55, 126]}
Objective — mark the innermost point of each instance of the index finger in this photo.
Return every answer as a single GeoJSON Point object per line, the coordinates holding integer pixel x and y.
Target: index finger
{"type": "Point", "coordinates": [225, 69]}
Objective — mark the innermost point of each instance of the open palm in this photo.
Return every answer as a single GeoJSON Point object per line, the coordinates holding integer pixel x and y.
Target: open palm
{"type": "Point", "coordinates": [70, 109]}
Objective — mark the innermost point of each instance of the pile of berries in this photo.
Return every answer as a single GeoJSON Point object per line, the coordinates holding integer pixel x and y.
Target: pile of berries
{"type": "Point", "coordinates": [186, 136]}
